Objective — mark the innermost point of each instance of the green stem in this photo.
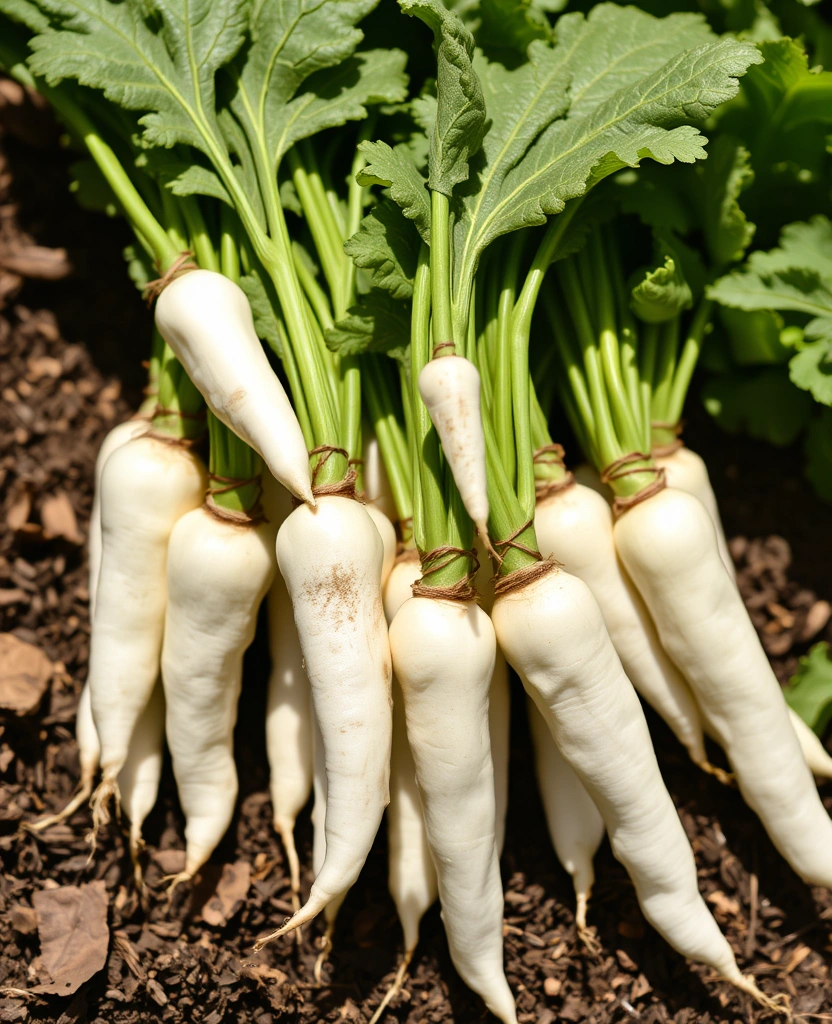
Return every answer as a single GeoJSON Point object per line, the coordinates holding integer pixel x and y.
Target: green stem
{"type": "Point", "coordinates": [440, 275]}
{"type": "Point", "coordinates": [688, 359]}
{"type": "Point", "coordinates": [502, 406]}
{"type": "Point", "coordinates": [665, 367]}
{"type": "Point", "coordinates": [377, 392]}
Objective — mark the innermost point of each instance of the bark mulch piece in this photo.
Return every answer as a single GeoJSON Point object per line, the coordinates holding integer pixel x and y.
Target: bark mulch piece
{"type": "Point", "coordinates": [65, 349]}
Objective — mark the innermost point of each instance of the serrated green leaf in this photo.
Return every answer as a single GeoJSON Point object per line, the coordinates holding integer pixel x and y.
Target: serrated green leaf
{"type": "Point", "coordinates": [387, 245]}
{"type": "Point", "coordinates": [301, 74]}
{"type": "Point", "coordinates": [503, 29]}
{"type": "Point", "coordinates": [627, 102]}
{"type": "Point", "coordinates": [811, 368]}
{"type": "Point", "coordinates": [396, 170]}
{"type": "Point", "coordinates": [801, 291]}
{"type": "Point", "coordinates": [725, 174]}
{"type": "Point", "coordinates": [765, 405]}
{"type": "Point", "coordinates": [809, 692]}
{"type": "Point", "coordinates": [380, 324]}
{"type": "Point", "coordinates": [803, 245]}
{"type": "Point", "coordinates": [653, 194]}
{"type": "Point", "coordinates": [25, 13]}
{"type": "Point", "coordinates": [460, 122]}
{"type": "Point", "coordinates": [662, 293]}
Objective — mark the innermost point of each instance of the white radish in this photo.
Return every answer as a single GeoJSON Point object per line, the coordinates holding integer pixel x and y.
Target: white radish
{"type": "Point", "coordinates": [377, 489]}
{"type": "Point", "coordinates": [575, 825]}
{"type": "Point", "coordinates": [443, 654]}
{"type": "Point", "coordinates": [289, 726]}
{"type": "Point", "coordinates": [139, 779]}
{"type": "Point", "coordinates": [499, 729]}
{"type": "Point", "coordinates": [207, 321]}
{"type": "Point", "coordinates": [331, 559]}
{"type": "Point", "coordinates": [575, 525]}
{"type": "Point", "coordinates": [686, 471]}
{"type": "Point", "coordinates": [146, 486]}
{"type": "Point", "coordinates": [387, 532]}
{"type": "Point", "coordinates": [552, 632]}
{"type": "Point", "coordinates": [319, 850]}
{"type": "Point", "coordinates": [118, 436]}
{"type": "Point", "coordinates": [450, 389]}
{"type": "Point", "coordinates": [669, 546]}
{"type": "Point", "coordinates": [218, 572]}
{"type": "Point", "coordinates": [816, 755]}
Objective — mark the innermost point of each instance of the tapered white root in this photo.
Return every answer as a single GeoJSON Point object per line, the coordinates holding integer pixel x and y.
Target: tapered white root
{"type": "Point", "coordinates": [395, 988]}
{"type": "Point", "coordinates": [105, 791]}
{"type": "Point", "coordinates": [82, 795]}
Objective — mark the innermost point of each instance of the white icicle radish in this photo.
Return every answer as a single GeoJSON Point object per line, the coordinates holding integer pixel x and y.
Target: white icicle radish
{"type": "Point", "coordinates": [218, 572]}
{"type": "Point", "coordinates": [118, 436]}
{"type": "Point", "coordinates": [387, 532]}
{"type": "Point", "coordinates": [552, 632]}
{"type": "Point", "coordinates": [575, 825]}
{"type": "Point", "coordinates": [686, 471]}
{"type": "Point", "coordinates": [499, 729]}
{"type": "Point", "coordinates": [377, 489]}
{"type": "Point", "coordinates": [147, 485]}
{"type": "Point", "coordinates": [815, 753]}
{"type": "Point", "coordinates": [289, 725]}
{"type": "Point", "coordinates": [575, 525]}
{"type": "Point", "coordinates": [411, 873]}
{"type": "Point", "coordinates": [443, 654]}
{"type": "Point", "coordinates": [319, 850]}
{"type": "Point", "coordinates": [331, 559]}
{"type": "Point", "coordinates": [669, 546]}
{"type": "Point", "coordinates": [139, 779]}
{"type": "Point", "coordinates": [450, 388]}
{"type": "Point", "coordinates": [206, 319]}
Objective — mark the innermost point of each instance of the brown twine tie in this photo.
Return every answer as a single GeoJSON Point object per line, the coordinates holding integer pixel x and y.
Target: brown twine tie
{"type": "Point", "coordinates": [523, 577]}
{"type": "Point", "coordinates": [624, 467]}
{"type": "Point", "coordinates": [441, 345]}
{"type": "Point", "coordinates": [661, 451]}
{"type": "Point", "coordinates": [551, 455]}
{"type": "Point", "coordinates": [241, 517]}
{"type": "Point", "coordinates": [512, 542]}
{"type": "Point", "coordinates": [438, 559]}
{"type": "Point", "coordinates": [181, 265]}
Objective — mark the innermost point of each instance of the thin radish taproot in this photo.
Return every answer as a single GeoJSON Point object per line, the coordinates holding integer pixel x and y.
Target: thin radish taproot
{"type": "Point", "coordinates": [817, 756]}
{"type": "Point", "coordinates": [331, 559]}
{"type": "Point", "coordinates": [218, 572]}
{"type": "Point", "coordinates": [443, 654]}
{"type": "Point", "coordinates": [206, 319]}
{"type": "Point", "coordinates": [575, 825]}
{"type": "Point", "coordinates": [552, 632]}
{"type": "Point", "coordinates": [575, 526]}
{"type": "Point", "coordinates": [147, 485]}
{"type": "Point", "coordinates": [668, 545]}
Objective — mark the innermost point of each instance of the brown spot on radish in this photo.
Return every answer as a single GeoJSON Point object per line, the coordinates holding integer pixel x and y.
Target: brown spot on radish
{"type": "Point", "coordinates": [236, 399]}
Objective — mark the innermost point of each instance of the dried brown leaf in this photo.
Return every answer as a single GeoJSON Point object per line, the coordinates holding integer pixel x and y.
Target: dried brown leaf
{"type": "Point", "coordinates": [25, 672]}
{"type": "Point", "coordinates": [229, 895]}
{"type": "Point", "coordinates": [72, 924]}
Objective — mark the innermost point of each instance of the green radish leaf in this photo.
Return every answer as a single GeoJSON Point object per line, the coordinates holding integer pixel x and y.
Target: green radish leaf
{"type": "Point", "coordinates": [503, 29]}
{"type": "Point", "coordinates": [387, 245]}
{"type": "Point", "coordinates": [460, 122]}
{"type": "Point", "coordinates": [90, 188]}
{"type": "Point", "coordinates": [725, 174]}
{"type": "Point", "coordinates": [811, 368]}
{"type": "Point", "coordinates": [797, 290]}
{"type": "Point", "coordinates": [396, 170]}
{"type": "Point", "coordinates": [809, 692]}
{"type": "Point", "coordinates": [379, 324]}
{"type": "Point", "coordinates": [662, 293]}
{"type": "Point", "coordinates": [139, 268]}
{"type": "Point", "coordinates": [25, 13]}
{"type": "Point", "coordinates": [754, 336]}
{"type": "Point", "coordinates": [805, 245]}
{"type": "Point", "coordinates": [765, 405]}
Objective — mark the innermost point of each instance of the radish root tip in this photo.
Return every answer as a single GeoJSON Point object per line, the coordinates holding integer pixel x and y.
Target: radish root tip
{"type": "Point", "coordinates": [395, 988]}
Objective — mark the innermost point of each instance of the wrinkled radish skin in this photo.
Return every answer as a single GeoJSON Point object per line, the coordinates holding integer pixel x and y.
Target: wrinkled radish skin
{"type": "Point", "coordinates": [553, 634]}
{"type": "Point", "coordinates": [686, 471]}
{"type": "Point", "coordinates": [575, 825]}
{"type": "Point", "coordinates": [575, 525]}
{"type": "Point", "coordinates": [443, 654]}
{"type": "Point", "coordinates": [146, 487]}
{"type": "Point", "coordinates": [450, 388]}
{"type": "Point", "coordinates": [331, 559]}
{"type": "Point", "coordinates": [218, 573]}
{"type": "Point", "coordinates": [206, 320]}
{"type": "Point", "coordinates": [668, 545]}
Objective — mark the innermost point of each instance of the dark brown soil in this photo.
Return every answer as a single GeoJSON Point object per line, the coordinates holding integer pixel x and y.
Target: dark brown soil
{"type": "Point", "coordinates": [69, 369]}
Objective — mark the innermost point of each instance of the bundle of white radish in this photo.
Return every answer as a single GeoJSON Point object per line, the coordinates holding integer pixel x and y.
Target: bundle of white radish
{"type": "Point", "coordinates": [552, 632]}
{"type": "Point", "coordinates": [219, 569]}
{"type": "Point", "coordinates": [443, 654]}
{"type": "Point", "coordinates": [575, 825]}
{"type": "Point", "coordinates": [331, 558]}
{"type": "Point", "coordinates": [669, 546]}
{"type": "Point", "coordinates": [206, 319]}
{"type": "Point", "coordinates": [147, 485]}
